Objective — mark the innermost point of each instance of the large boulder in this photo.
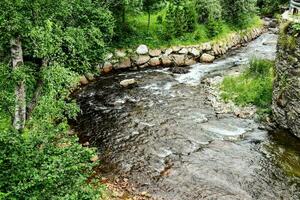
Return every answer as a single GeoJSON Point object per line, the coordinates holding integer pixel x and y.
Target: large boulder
{"type": "Point", "coordinates": [155, 52]}
{"type": "Point", "coordinates": [179, 59]}
{"type": "Point", "coordinates": [166, 60]}
{"type": "Point", "coordinates": [195, 52]}
{"type": "Point", "coordinates": [142, 59]}
{"type": "Point", "coordinates": [142, 50]}
{"type": "Point", "coordinates": [207, 58]}
{"type": "Point", "coordinates": [124, 63]}
{"type": "Point", "coordinates": [107, 67]}
{"type": "Point", "coordinates": [154, 62]}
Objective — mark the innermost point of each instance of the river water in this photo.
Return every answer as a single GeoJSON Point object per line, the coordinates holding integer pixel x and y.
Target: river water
{"type": "Point", "coordinates": [166, 139]}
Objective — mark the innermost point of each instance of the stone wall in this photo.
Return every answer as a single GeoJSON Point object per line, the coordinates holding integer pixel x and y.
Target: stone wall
{"type": "Point", "coordinates": [286, 95]}
{"type": "Point", "coordinates": [143, 57]}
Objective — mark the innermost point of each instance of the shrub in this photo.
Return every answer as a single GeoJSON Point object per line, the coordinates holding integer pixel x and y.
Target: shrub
{"type": "Point", "coordinates": [208, 10]}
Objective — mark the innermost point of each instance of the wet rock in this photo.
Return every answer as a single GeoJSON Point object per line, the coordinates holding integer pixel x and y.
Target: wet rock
{"type": "Point", "coordinates": [179, 70]}
{"type": "Point", "coordinates": [142, 59]}
{"type": "Point", "coordinates": [107, 67]}
{"type": "Point", "coordinates": [166, 60]}
{"type": "Point", "coordinates": [154, 62]}
{"type": "Point", "coordinates": [155, 52]}
{"type": "Point", "coordinates": [83, 80]}
{"type": "Point", "coordinates": [207, 58]}
{"type": "Point", "coordinates": [142, 50]}
{"type": "Point", "coordinates": [128, 82]}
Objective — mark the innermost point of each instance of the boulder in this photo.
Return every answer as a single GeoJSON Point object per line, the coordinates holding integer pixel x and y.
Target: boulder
{"type": "Point", "coordinates": [128, 82]}
{"type": "Point", "coordinates": [168, 51]}
{"type": "Point", "coordinates": [166, 60]}
{"type": "Point", "coordinates": [195, 52]}
{"type": "Point", "coordinates": [176, 49]}
{"type": "Point", "coordinates": [107, 67]}
{"type": "Point", "coordinates": [189, 61]}
{"type": "Point", "coordinates": [90, 76]}
{"type": "Point", "coordinates": [206, 46]}
{"type": "Point", "coordinates": [142, 59]}
{"type": "Point", "coordinates": [124, 63]}
{"type": "Point", "coordinates": [179, 59]}
{"type": "Point", "coordinates": [154, 62]}
{"type": "Point", "coordinates": [183, 51]}
{"type": "Point", "coordinates": [108, 56]}
{"type": "Point", "coordinates": [207, 58]}
{"type": "Point", "coordinates": [142, 50]}
{"type": "Point", "coordinates": [83, 80]}
{"type": "Point", "coordinates": [155, 52]}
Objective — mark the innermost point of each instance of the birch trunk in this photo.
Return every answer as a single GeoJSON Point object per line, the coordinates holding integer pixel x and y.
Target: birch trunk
{"type": "Point", "coordinates": [20, 93]}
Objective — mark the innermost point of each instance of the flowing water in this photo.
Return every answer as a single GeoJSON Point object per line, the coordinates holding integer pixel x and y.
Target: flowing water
{"type": "Point", "coordinates": [166, 138]}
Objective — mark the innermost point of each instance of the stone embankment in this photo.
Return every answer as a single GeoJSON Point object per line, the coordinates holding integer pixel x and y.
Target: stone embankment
{"type": "Point", "coordinates": [286, 95]}
{"type": "Point", "coordinates": [179, 56]}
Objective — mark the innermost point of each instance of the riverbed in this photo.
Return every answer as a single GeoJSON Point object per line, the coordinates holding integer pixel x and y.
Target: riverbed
{"type": "Point", "coordinates": [166, 138]}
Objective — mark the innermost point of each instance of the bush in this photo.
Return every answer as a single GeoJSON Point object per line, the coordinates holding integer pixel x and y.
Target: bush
{"type": "Point", "coordinates": [254, 86]}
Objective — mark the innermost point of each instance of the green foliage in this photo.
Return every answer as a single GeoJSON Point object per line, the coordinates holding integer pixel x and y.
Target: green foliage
{"type": "Point", "coordinates": [239, 12]}
{"type": "Point", "coordinates": [254, 86]}
{"type": "Point", "coordinates": [180, 18]}
{"type": "Point", "coordinates": [270, 7]}
{"type": "Point", "coordinates": [208, 10]}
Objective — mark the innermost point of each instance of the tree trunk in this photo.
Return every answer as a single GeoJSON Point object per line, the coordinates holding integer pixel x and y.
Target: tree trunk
{"type": "Point", "coordinates": [20, 93]}
{"type": "Point", "coordinates": [149, 19]}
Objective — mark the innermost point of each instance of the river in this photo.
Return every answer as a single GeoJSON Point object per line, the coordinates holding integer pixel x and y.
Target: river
{"type": "Point", "coordinates": [166, 139]}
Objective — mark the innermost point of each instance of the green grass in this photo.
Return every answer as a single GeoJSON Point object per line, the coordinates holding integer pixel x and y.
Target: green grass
{"type": "Point", "coordinates": [252, 87]}
{"type": "Point", "coordinates": [137, 32]}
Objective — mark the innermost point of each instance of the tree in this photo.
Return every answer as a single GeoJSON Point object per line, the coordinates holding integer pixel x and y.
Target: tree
{"type": "Point", "coordinates": [45, 45]}
{"type": "Point", "coordinates": [238, 12]}
{"type": "Point", "coordinates": [150, 6]}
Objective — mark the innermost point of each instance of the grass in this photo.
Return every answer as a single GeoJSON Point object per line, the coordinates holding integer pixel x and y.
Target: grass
{"type": "Point", "coordinates": [253, 87]}
{"type": "Point", "coordinates": [137, 32]}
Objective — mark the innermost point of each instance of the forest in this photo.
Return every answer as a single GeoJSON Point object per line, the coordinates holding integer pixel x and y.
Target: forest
{"type": "Point", "coordinates": [47, 44]}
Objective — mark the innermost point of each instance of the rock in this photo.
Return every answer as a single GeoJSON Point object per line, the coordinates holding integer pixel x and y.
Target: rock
{"type": "Point", "coordinates": [206, 46]}
{"type": "Point", "coordinates": [142, 59]}
{"type": "Point", "coordinates": [120, 53]}
{"type": "Point", "coordinates": [124, 63]}
{"type": "Point", "coordinates": [83, 80]}
{"type": "Point", "coordinates": [144, 66]}
{"type": "Point", "coordinates": [183, 51]}
{"type": "Point", "coordinates": [179, 59]}
{"type": "Point", "coordinates": [207, 58]}
{"type": "Point", "coordinates": [107, 67]}
{"type": "Point", "coordinates": [189, 61]}
{"type": "Point", "coordinates": [274, 42]}
{"type": "Point", "coordinates": [155, 52]}
{"type": "Point", "coordinates": [142, 50]}
{"type": "Point", "coordinates": [195, 52]}
{"type": "Point", "coordinates": [168, 51]}
{"type": "Point", "coordinates": [165, 60]}
{"type": "Point", "coordinates": [90, 76]}
{"type": "Point", "coordinates": [179, 70]}
{"type": "Point", "coordinates": [176, 49]}
{"type": "Point", "coordinates": [128, 82]}
{"type": "Point", "coordinates": [154, 62]}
